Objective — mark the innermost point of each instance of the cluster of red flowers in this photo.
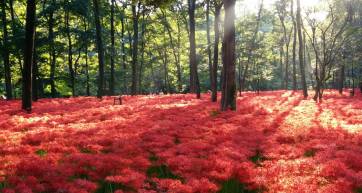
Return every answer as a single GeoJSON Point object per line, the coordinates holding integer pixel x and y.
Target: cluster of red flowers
{"type": "Point", "coordinates": [274, 142]}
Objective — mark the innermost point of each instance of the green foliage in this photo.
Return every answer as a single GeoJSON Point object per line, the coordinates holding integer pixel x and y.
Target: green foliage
{"type": "Point", "coordinates": [162, 172]}
{"type": "Point", "coordinates": [41, 152]}
{"type": "Point", "coordinates": [214, 113]}
{"type": "Point", "coordinates": [357, 190]}
{"type": "Point", "coordinates": [235, 186]}
{"type": "Point", "coordinates": [258, 158]}
{"type": "Point", "coordinates": [111, 187]}
{"type": "Point", "coordinates": [310, 153]}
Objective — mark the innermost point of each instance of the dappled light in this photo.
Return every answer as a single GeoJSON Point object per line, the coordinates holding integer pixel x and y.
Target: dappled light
{"type": "Point", "coordinates": [274, 142]}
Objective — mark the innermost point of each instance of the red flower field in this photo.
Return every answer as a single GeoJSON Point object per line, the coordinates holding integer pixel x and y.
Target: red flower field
{"type": "Point", "coordinates": [274, 142]}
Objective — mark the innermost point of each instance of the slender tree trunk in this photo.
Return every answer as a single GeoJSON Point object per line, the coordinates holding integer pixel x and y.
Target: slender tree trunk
{"type": "Point", "coordinates": [252, 48]}
{"type": "Point", "coordinates": [294, 47]}
{"type": "Point", "coordinates": [99, 48]}
{"type": "Point", "coordinates": [178, 66]}
{"type": "Point", "coordinates": [341, 79]}
{"type": "Point", "coordinates": [7, 69]}
{"type": "Point", "coordinates": [135, 50]}
{"type": "Point", "coordinates": [28, 55]}
{"type": "Point", "coordinates": [194, 79]}
{"type": "Point", "coordinates": [208, 40]}
{"type": "Point", "coordinates": [301, 48]}
{"type": "Point", "coordinates": [35, 75]}
{"type": "Point", "coordinates": [113, 50]}
{"type": "Point", "coordinates": [124, 55]}
{"type": "Point", "coordinates": [228, 97]}
{"type": "Point", "coordinates": [143, 31]}
{"type": "Point", "coordinates": [216, 53]}
{"type": "Point", "coordinates": [70, 48]}
{"type": "Point", "coordinates": [52, 52]}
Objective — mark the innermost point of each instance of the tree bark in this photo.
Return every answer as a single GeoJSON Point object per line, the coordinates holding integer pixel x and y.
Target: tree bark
{"type": "Point", "coordinates": [301, 48]}
{"type": "Point", "coordinates": [228, 96]}
{"type": "Point", "coordinates": [251, 49]}
{"type": "Point", "coordinates": [208, 40]}
{"type": "Point", "coordinates": [143, 31]}
{"type": "Point", "coordinates": [28, 55]}
{"type": "Point", "coordinates": [178, 66]}
{"type": "Point", "coordinates": [52, 51]}
{"type": "Point", "coordinates": [216, 53]}
{"type": "Point", "coordinates": [294, 47]}
{"type": "Point", "coordinates": [7, 69]}
{"type": "Point", "coordinates": [134, 50]}
{"type": "Point", "coordinates": [113, 50]}
{"type": "Point", "coordinates": [194, 79]}
{"type": "Point", "coordinates": [99, 48]}
{"type": "Point", "coordinates": [70, 48]}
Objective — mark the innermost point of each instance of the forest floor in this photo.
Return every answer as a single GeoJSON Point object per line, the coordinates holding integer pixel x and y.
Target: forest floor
{"type": "Point", "coordinates": [274, 142]}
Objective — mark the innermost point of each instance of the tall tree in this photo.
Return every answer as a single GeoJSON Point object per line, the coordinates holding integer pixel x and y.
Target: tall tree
{"type": "Point", "coordinates": [294, 46]}
{"type": "Point", "coordinates": [228, 94]}
{"type": "Point", "coordinates": [135, 16]}
{"type": "Point", "coordinates": [217, 6]}
{"type": "Point", "coordinates": [209, 60]}
{"type": "Point", "coordinates": [99, 48]}
{"type": "Point", "coordinates": [252, 47]}
{"type": "Point", "coordinates": [175, 50]}
{"type": "Point", "coordinates": [301, 48]}
{"type": "Point", "coordinates": [70, 47]}
{"type": "Point", "coordinates": [194, 77]}
{"type": "Point", "coordinates": [28, 55]}
{"type": "Point", "coordinates": [5, 49]}
{"type": "Point", "coordinates": [52, 55]}
{"type": "Point", "coordinates": [113, 50]}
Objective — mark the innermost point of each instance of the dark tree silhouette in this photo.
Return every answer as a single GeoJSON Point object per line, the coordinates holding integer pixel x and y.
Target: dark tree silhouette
{"type": "Point", "coordinates": [28, 54]}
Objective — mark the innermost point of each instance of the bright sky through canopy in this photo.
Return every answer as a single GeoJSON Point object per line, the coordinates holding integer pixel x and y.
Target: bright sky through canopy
{"type": "Point", "coordinates": [252, 6]}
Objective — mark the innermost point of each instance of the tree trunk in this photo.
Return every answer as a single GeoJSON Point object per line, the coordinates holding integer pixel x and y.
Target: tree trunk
{"type": "Point", "coordinates": [341, 79]}
{"type": "Point", "coordinates": [113, 50]}
{"type": "Point", "coordinates": [228, 97]}
{"type": "Point", "coordinates": [216, 53]}
{"type": "Point", "coordinates": [294, 47]}
{"type": "Point", "coordinates": [143, 31]}
{"type": "Point", "coordinates": [194, 79]}
{"type": "Point", "coordinates": [178, 66]}
{"type": "Point", "coordinates": [70, 48]}
{"type": "Point", "coordinates": [99, 48]}
{"type": "Point", "coordinates": [301, 48]}
{"type": "Point", "coordinates": [52, 52]}
{"type": "Point", "coordinates": [251, 49]}
{"type": "Point", "coordinates": [35, 95]}
{"type": "Point", "coordinates": [208, 40]}
{"type": "Point", "coordinates": [134, 50]}
{"type": "Point", "coordinates": [7, 69]}
{"type": "Point", "coordinates": [124, 55]}
{"type": "Point", "coordinates": [28, 55]}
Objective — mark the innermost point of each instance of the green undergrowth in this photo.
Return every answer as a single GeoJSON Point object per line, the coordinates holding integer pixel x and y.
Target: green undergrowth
{"type": "Point", "coordinates": [235, 186]}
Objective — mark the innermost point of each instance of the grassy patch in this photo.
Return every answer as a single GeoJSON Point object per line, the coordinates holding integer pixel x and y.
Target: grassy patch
{"type": "Point", "coordinates": [214, 113]}
{"type": "Point", "coordinates": [86, 151]}
{"type": "Point", "coordinates": [258, 158]}
{"type": "Point", "coordinates": [234, 186]}
{"type": "Point", "coordinates": [162, 172]}
{"type": "Point", "coordinates": [41, 152]}
{"type": "Point", "coordinates": [310, 153]}
{"type": "Point", "coordinates": [153, 158]}
{"type": "Point", "coordinates": [111, 187]}
{"type": "Point", "coordinates": [177, 140]}
{"type": "Point", "coordinates": [3, 185]}
{"type": "Point", "coordinates": [358, 190]}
